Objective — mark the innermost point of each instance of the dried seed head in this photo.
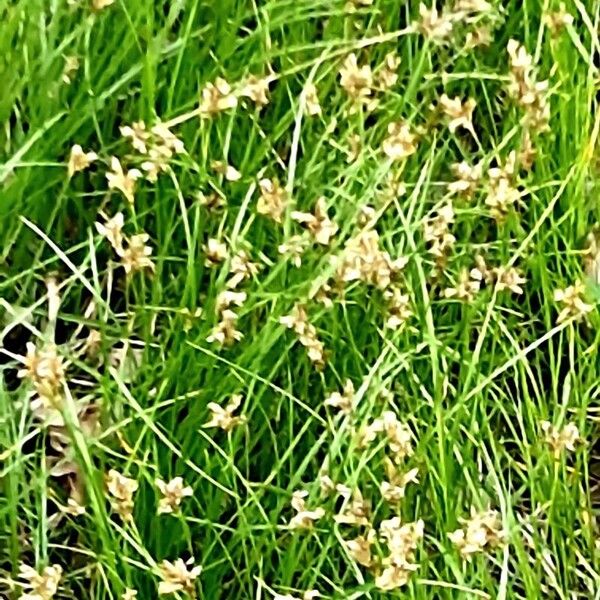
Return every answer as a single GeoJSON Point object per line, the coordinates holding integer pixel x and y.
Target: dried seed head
{"type": "Point", "coordinates": [508, 278]}
{"type": "Point", "coordinates": [401, 541]}
{"type": "Point", "coordinates": [530, 94]}
{"type": "Point", "coordinates": [356, 510]}
{"type": "Point", "coordinates": [399, 307]}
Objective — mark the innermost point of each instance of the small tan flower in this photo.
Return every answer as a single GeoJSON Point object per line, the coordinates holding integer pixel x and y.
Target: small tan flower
{"type": "Point", "coordinates": [360, 548]}
{"type": "Point", "coordinates": [352, 6]}
{"type": "Point", "coordinates": [121, 490]}
{"type": "Point", "coordinates": [71, 67]}
{"type": "Point", "coordinates": [437, 26]}
{"type": "Point", "coordinates": [400, 143]}
{"type": "Point", "coordinates": [467, 178]}
{"type": "Point", "coordinates": [466, 288]}
{"type": "Point", "coordinates": [480, 37]}
{"type": "Point", "coordinates": [461, 115]}
{"type": "Point", "coordinates": [560, 440]}
{"type": "Point", "coordinates": [483, 530]}
{"type": "Point", "coordinates": [509, 278]}
{"type": "Point", "coordinates": [121, 180]}
{"type": "Point", "coordinates": [399, 436]}
{"type": "Point", "coordinates": [306, 332]}
{"type": "Point", "coordinates": [436, 231]}
{"type": "Point", "coordinates": [311, 100]}
{"type": "Point", "coordinates": [557, 20]}
{"type": "Point", "coordinates": [230, 173]}
{"type": "Point", "coordinates": [502, 196]}
{"type": "Point", "coordinates": [401, 541]}
{"type": "Point", "coordinates": [217, 97]}
{"type": "Point", "coordinates": [294, 248]}
{"type": "Point", "coordinates": [173, 493]}
{"type": "Point", "coordinates": [228, 298]}
{"type": "Point", "coordinates": [39, 586]}
{"type": "Point", "coordinates": [303, 519]}
{"type": "Point", "coordinates": [45, 369]}
{"type": "Point", "coordinates": [79, 160]}
{"type": "Point", "coordinates": [342, 402]}
{"type": "Point", "coordinates": [224, 417]}
{"type": "Point", "coordinates": [355, 510]}
{"type": "Point", "coordinates": [354, 148]}
{"type": "Point", "coordinates": [530, 94]}
{"type": "Point", "coordinates": [394, 488]}
{"type": "Point", "coordinates": [399, 307]}
{"type": "Point", "coordinates": [357, 81]}
{"type": "Point", "coordinates": [216, 252]}
{"type": "Point", "coordinates": [112, 230]}
{"type": "Point", "coordinates": [177, 577]}
{"type": "Point", "coordinates": [573, 303]}
{"type": "Point", "coordinates": [257, 89]}
{"type": "Point", "coordinates": [225, 332]}
{"type": "Point", "coordinates": [138, 135]}
{"type": "Point", "coordinates": [129, 594]}
{"type": "Point", "coordinates": [273, 199]}
{"type": "Point", "coordinates": [319, 224]}
{"type": "Point", "coordinates": [362, 259]}
{"type": "Point", "coordinates": [241, 268]}
{"type": "Point", "coordinates": [100, 4]}
{"type": "Point", "coordinates": [212, 201]}
{"type": "Point", "coordinates": [136, 256]}
{"type": "Point", "coordinates": [387, 76]}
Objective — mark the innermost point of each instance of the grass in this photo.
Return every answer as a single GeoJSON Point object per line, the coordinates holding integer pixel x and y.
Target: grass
{"type": "Point", "coordinates": [472, 380]}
